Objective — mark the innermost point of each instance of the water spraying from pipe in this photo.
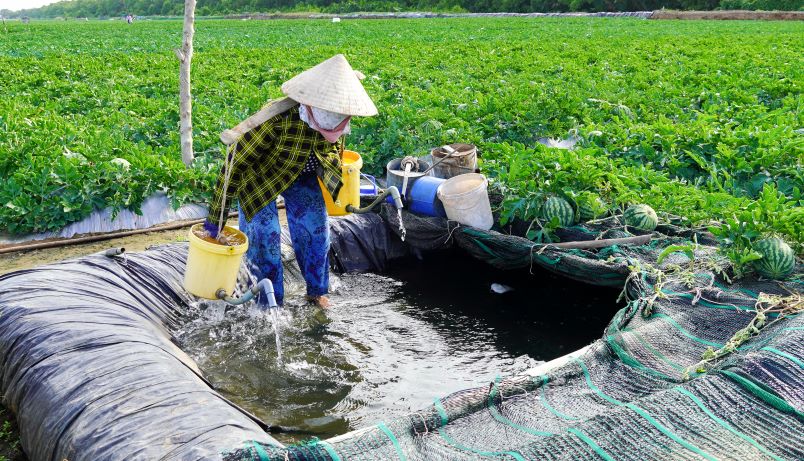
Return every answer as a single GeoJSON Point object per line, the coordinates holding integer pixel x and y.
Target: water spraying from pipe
{"type": "Point", "coordinates": [266, 301]}
{"type": "Point", "coordinates": [275, 322]}
{"type": "Point", "coordinates": [402, 231]}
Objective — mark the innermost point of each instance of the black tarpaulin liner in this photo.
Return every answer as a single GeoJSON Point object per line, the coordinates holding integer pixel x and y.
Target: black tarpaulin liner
{"type": "Point", "coordinates": [91, 371]}
{"type": "Point", "coordinates": [362, 243]}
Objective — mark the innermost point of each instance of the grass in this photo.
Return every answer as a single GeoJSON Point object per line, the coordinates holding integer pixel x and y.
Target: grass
{"type": "Point", "coordinates": [10, 449]}
{"type": "Point", "coordinates": [696, 118]}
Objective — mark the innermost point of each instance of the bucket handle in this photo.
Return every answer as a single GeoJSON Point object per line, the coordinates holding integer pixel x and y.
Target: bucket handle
{"type": "Point", "coordinates": [371, 179]}
{"type": "Point", "coordinates": [485, 185]}
{"type": "Point", "coordinates": [450, 152]}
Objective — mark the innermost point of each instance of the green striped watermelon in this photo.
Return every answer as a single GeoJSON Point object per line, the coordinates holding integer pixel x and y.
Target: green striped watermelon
{"type": "Point", "coordinates": [560, 208]}
{"type": "Point", "coordinates": [777, 260]}
{"type": "Point", "coordinates": [641, 217]}
{"type": "Point", "coordinates": [590, 206]}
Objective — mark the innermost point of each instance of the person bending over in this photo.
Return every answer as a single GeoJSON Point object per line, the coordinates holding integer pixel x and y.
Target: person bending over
{"type": "Point", "coordinates": [286, 148]}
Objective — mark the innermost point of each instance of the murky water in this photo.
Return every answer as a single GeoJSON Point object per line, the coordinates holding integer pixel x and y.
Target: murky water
{"type": "Point", "coordinates": [390, 343]}
{"type": "Point", "coordinates": [225, 236]}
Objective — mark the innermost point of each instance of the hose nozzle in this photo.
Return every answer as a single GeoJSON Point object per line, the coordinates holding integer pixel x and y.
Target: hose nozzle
{"type": "Point", "coordinates": [112, 252]}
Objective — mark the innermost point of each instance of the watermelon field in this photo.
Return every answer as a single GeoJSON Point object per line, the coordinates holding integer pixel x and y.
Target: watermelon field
{"type": "Point", "coordinates": [703, 121]}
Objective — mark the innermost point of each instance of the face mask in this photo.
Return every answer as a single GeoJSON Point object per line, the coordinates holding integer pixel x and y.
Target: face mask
{"type": "Point", "coordinates": [331, 125]}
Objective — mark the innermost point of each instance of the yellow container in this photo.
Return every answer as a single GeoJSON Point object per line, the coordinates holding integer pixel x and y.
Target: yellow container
{"type": "Point", "coordinates": [350, 192]}
{"type": "Point", "coordinates": [211, 267]}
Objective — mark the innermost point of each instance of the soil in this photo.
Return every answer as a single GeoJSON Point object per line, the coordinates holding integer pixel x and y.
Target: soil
{"type": "Point", "coordinates": [11, 262]}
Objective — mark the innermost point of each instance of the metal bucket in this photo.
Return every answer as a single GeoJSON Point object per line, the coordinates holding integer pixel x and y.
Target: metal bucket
{"type": "Point", "coordinates": [462, 162]}
{"type": "Point", "coordinates": [394, 176]}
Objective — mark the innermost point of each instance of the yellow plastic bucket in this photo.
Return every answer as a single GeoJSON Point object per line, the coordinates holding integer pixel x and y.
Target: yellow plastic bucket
{"type": "Point", "coordinates": [350, 192]}
{"type": "Point", "coordinates": [211, 267]}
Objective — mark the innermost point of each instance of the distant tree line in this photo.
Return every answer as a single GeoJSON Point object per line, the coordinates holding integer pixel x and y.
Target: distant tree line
{"type": "Point", "coordinates": [112, 8]}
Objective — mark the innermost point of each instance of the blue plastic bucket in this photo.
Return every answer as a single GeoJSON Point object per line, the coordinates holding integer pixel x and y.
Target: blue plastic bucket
{"type": "Point", "coordinates": [368, 189]}
{"type": "Point", "coordinates": [423, 197]}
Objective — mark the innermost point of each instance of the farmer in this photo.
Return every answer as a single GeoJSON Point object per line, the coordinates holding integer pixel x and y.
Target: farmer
{"type": "Point", "coordinates": [286, 148]}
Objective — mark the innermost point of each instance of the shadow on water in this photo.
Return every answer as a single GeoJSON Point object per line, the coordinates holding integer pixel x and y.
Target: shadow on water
{"type": "Point", "coordinates": [544, 316]}
{"type": "Point", "coordinates": [392, 342]}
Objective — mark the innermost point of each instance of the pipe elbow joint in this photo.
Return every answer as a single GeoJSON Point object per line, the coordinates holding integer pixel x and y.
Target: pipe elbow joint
{"type": "Point", "coordinates": [265, 292]}
{"type": "Point", "coordinates": [392, 191]}
{"type": "Point", "coordinates": [397, 197]}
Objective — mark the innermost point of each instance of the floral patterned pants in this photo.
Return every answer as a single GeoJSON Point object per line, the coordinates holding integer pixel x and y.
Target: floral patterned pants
{"type": "Point", "coordinates": [309, 231]}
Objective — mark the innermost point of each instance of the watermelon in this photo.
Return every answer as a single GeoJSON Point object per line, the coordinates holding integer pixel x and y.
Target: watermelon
{"type": "Point", "coordinates": [777, 260]}
{"type": "Point", "coordinates": [560, 208]}
{"type": "Point", "coordinates": [590, 206]}
{"type": "Point", "coordinates": [641, 217]}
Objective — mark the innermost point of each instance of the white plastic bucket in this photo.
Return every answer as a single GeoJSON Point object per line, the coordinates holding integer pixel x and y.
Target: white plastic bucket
{"type": "Point", "coordinates": [466, 200]}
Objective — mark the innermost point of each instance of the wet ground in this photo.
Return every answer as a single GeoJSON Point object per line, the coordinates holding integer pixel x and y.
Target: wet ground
{"type": "Point", "coordinates": [392, 342]}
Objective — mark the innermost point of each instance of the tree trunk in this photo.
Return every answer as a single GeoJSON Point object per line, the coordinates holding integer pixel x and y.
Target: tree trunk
{"type": "Point", "coordinates": [185, 56]}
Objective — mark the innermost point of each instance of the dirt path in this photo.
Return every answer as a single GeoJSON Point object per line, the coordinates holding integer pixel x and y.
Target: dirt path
{"type": "Point", "coordinates": [26, 259]}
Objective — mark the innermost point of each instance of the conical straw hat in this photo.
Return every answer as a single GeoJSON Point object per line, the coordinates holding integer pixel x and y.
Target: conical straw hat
{"type": "Point", "coordinates": [333, 86]}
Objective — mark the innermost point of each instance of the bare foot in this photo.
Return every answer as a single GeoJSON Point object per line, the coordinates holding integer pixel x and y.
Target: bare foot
{"type": "Point", "coordinates": [320, 301]}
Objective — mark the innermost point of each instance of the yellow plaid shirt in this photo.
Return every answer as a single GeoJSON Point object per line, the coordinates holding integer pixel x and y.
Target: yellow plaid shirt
{"type": "Point", "coordinates": [269, 158]}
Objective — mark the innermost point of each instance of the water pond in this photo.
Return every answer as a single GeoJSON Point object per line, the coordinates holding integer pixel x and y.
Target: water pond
{"type": "Point", "coordinates": [391, 343]}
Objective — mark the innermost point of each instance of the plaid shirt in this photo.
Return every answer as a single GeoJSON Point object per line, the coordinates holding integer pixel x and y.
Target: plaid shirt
{"type": "Point", "coordinates": [269, 158]}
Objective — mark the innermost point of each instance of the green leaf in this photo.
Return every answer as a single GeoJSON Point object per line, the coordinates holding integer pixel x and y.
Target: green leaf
{"type": "Point", "coordinates": [686, 249]}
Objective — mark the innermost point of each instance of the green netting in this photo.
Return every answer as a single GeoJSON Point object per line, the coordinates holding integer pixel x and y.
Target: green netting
{"type": "Point", "coordinates": [639, 392]}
